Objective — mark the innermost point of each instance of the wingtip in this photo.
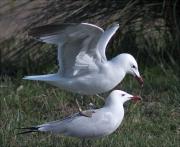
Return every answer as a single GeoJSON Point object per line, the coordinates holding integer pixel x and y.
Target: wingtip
{"type": "Point", "coordinates": [28, 130]}
{"type": "Point", "coordinates": [115, 24]}
{"type": "Point", "coordinates": [25, 78]}
{"type": "Point", "coordinates": [92, 25]}
{"type": "Point", "coordinates": [25, 132]}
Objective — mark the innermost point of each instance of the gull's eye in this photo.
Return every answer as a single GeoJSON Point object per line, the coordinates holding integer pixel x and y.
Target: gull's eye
{"type": "Point", "coordinates": [133, 66]}
{"type": "Point", "coordinates": [122, 94]}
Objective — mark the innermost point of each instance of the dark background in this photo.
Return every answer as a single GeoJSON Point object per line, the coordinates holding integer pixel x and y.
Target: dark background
{"type": "Point", "coordinates": [149, 30]}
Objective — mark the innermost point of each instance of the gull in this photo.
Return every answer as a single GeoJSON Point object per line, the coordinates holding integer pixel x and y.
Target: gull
{"type": "Point", "coordinates": [83, 66]}
{"type": "Point", "coordinates": [103, 122]}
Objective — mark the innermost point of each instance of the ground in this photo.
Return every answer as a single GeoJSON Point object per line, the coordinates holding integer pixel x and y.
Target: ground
{"type": "Point", "coordinates": [150, 123]}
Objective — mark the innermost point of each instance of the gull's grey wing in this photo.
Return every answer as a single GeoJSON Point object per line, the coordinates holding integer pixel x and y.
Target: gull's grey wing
{"type": "Point", "coordinates": [77, 45]}
{"type": "Point", "coordinates": [100, 124]}
{"type": "Point", "coordinates": [104, 39]}
{"type": "Point", "coordinates": [53, 126]}
{"type": "Point", "coordinates": [58, 126]}
{"type": "Point", "coordinates": [77, 125]}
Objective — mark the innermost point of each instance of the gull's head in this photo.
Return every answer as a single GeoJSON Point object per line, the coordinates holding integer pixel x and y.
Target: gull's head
{"type": "Point", "coordinates": [120, 97]}
{"type": "Point", "coordinates": [130, 66]}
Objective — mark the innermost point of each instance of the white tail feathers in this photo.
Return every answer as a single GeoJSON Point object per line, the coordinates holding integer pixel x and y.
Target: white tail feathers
{"type": "Point", "coordinates": [49, 77]}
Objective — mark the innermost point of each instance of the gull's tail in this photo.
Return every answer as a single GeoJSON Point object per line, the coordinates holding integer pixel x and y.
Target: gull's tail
{"type": "Point", "coordinates": [58, 126]}
{"type": "Point", "coordinates": [53, 127]}
{"type": "Point", "coordinates": [28, 130]}
{"type": "Point", "coordinates": [48, 77]}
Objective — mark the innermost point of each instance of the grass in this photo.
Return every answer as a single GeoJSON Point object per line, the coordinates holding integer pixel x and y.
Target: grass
{"type": "Point", "coordinates": [150, 123]}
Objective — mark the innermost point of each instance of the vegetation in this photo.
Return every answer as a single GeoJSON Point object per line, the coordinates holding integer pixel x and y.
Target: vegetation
{"type": "Point", "coordinates": [149, 30]}
{"type": "Point", "coordinates": [152, 122]}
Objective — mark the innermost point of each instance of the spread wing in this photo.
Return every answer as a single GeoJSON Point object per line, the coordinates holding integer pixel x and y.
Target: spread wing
{"type": "Point", "coordinates": [104, 39]}
{"type": "Point", "coordinates": [76, 43]}
{"type": "Point", "coordinates": [80, 46]}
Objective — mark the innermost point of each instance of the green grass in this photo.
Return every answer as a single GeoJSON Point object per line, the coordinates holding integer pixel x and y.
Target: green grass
{"type": "Point", "coordinates": [150, 123]}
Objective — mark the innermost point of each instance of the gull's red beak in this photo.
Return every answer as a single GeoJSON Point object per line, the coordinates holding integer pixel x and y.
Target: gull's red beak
{"type": "Point", "coordinates": [140, 80]}
{"type": "Point", "coordinates": [136, 98]}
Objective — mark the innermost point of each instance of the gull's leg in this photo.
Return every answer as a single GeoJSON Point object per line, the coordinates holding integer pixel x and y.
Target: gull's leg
{"type": "Point", "coordinates": [83, 142]}
{"type": "Point", "coordinates": [100, 97]}
{"type": "Point", "coordinates": [79, 107]}
{"type": "Point", "coordinates": [84, 113]}
{"type": "Point", "coordinates": [92, 105]}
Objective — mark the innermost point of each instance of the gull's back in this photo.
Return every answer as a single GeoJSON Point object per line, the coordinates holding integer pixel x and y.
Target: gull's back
{"type": "Point", "coordinates": [101, 123]}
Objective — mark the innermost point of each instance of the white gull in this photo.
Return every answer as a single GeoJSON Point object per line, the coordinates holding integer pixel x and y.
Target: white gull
{"type": "Point", "coordinates": [84, 67]}
{"type": "Point", "coordinates": [103, 121]}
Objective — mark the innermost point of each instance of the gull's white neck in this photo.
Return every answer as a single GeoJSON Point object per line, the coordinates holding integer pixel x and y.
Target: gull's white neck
{"type": "Point", "coordinates": [116, 108]}
{"type": "Point", "coordinates": [117, 112]}
{"type": "Point", "coordinates": [119, 62]}
{"type": "Point", "coordinates": [117, 69]}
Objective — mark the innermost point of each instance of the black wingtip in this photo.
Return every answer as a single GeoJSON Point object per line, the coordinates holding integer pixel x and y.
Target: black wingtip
{"type": "Point", "coordinates": [49, 29]}
{"type": "Point", "coordinates": [25, 132]}
{"type": "Point", "coordinates": [28, 130]}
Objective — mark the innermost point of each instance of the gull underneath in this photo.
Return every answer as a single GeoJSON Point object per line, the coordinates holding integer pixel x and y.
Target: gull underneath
{"type": "Point", "coordinates": [84, 68]}
{"type": "Point", "coordinates": [103, 122]}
